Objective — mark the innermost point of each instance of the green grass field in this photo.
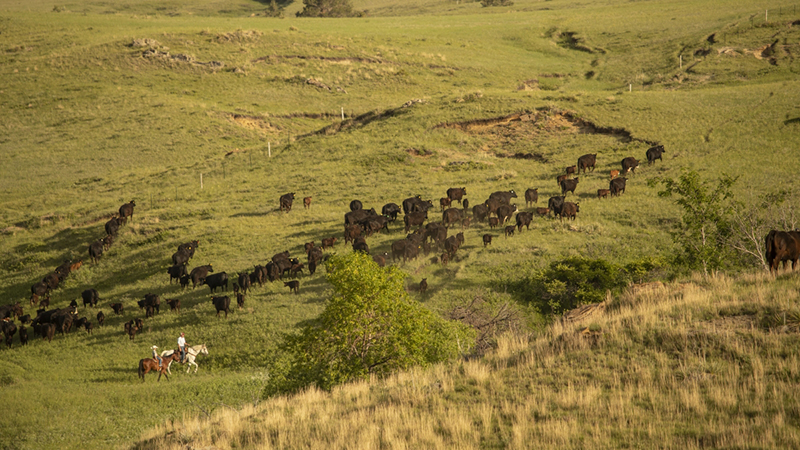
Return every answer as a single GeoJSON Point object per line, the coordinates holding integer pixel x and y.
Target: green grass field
{"type": "Point", "coordinates": [92, 116]}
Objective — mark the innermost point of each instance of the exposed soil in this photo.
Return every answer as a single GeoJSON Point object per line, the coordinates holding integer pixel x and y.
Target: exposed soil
{"type": "Point", "coordinates": [322, 58]}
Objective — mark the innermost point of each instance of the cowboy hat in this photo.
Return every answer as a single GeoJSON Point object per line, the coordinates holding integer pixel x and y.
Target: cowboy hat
{"type": "Point", "coordinates": [154, 347]}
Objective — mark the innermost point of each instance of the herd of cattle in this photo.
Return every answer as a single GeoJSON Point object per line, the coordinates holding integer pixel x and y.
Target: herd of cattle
{"type": "Point", "coordinates": [359, 224]}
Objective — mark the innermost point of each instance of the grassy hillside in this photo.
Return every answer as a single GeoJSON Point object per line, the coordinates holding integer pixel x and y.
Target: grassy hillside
{"type": "Point", "coordinates": [103, 103]}
{"type": "Point", "coordinates": [686, 365]}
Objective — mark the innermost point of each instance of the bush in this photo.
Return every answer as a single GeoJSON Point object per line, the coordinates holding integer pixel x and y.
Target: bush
{"type": "Point", "coordinates": [370, 326]}
{"type": "Point", "coordinates": [327, 8]}
{"type": "Point", "coordinates": [486, 3]}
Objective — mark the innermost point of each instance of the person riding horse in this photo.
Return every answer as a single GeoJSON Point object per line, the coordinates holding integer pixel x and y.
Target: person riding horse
{"type": "Point", "coordinates": [156, 356]}
{"type": "Point", "coordinates": [182, 347]}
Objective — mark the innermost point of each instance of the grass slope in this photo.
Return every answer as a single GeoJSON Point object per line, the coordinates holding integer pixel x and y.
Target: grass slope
{"type": "Point", "coordinates": [88, 121]}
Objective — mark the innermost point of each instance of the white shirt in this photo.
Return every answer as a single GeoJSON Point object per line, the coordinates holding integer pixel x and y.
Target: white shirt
{"type": "Point", "coordinates": [181, 341]}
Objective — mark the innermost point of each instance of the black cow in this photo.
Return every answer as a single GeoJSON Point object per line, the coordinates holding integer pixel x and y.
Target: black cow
{"type": "Point", "coordinates": [569, 186]}
{"type": "Point", "coordinates": [480, 212]}
{"type": "Point", "coordinates": [189, 247]}
{"type": "Point", "coordinates": [38, 290]}
{"type": "Point", "coordinates": [423, 285]}
{"type": "Point", "coordinates": [504, 212]}
{"type": "Point", "coordinates": [587, 161]}
{"type": "Point", "coordinates": [617, 186]}
{"type": "Point", "coordinates": [359, 215]}
{"type": "Point", "coordinates": [451, 216]}
{"type": "Point", "coordinates": [293, 285]}
{"type": "Point", "coordinates": [8, 329]}
{"type": "Point", "coordinates": [96, 250]}
{"type": "Point", "coordinates": [45, 330]}
{"type": "Point", "coordinates": [52, 280]}
{"type": "Point", "coordinates": [176, 272]}
{"type": "Point", "coordinates": [151, 302]}
{"type": "Point", "coordinates": [360, 245]}
{"type": "Point", "coordinates": [117, 307]}
{"type": "Point", "coordinates": [90, 297]}
{"type": "Point", "coordinates": [126, 211]}
{"type": "Point", "coordinates": [174, 304]}
{"type": "Point", "coordinates": [524, 219]}
{"type": "Point", "coordinates": [217, 280]}
{"type": "Point", "coordinates": [654, 153]}
{"type": "Point", "coordinates": [112, 226]}
{"type": "Point", "coordinates": [416, 204]}
{"type": "Point", "coordinates": [244, 282]}
{"type": "Point", "coordinates": [391, 210]}
{"type": "Point", "coordinates": [413, 219]}
{"type": "Point", "coordinates": [555, 204]}
{"type": "Point", "coordinates": [23, 335]}
{"type": "Point", "coordinates": [185, 281]}
{"type": "Point", "coordinates": [503, 196]}
{"type": "Point", "coordinates": [100, 318]}
{"type": "Point", "coordinates": [181, 257]}
{"type": "Point", "coordinates": [456, 194]}
{"type": "Point", "coordinates": [411, 250]}
{"type": "Point", "coordinates": [199, 274]}
{"type": "Point", "coordinates": [487, 239]}
{"type": "Point", "coordinates": [629, 164]}
{"type": "Point", "coordinates": [11, 310]}
{"type": "Point", "coordinates": [286, 201]}
{"type": "Point", "coordinates": [570, 210]}
{"type": "Point", "coordinates": [107, 241]}
{"type": "Point", "coordinates": [510, 230]}
{"type": "Point", "coordinates": [222, 304]}
{"type": "Point", "coordinates": [452, 244]}
{"type": "Point", "coordinates": [355, 205]}
{"type": "Point", "coordinates": [531, 196]}
{"type": "Point", "coordinates": [398, 247]}
{"type": "Point", "coordinates": [782, 246]}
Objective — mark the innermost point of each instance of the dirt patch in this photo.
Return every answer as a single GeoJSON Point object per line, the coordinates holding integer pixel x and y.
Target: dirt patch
{"type": "Point", "coordinates": [339, 59]}
{"type": "Point", "coordinates": [256, 123]}
{"type": "Point", "coordinates": [239, 36]}
{"type": "Point", "coordinates": [421, 152]}
{"type": "Point", "coordinates": [145, 42]}
{"type": "Point", "coordinates": [153, 53]}
{"type": "Point", "coordinates": [537, 122]}
{"type": "Point", "coordinates": [538, 157]}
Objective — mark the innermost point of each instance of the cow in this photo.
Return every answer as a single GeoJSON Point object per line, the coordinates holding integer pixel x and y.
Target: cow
{"type": "Point", "coordinates": [312, 267]}
{"type": "Point", "coordinates": [11, 310]}
{"type": "Point", "coordinates": [221, 304]}
{"type": "Point", "coordinates": [45, 330]}
{"type": "Point", "coordinates": [503, 196]}
{"type": "Point", "coordinates": [456, 194]}
{"type": "Point", "coordinates": [390, 210]}
{"type": "Point", "coordinates": [524, 219]}
{"type": "Point", "coordinates": [189, 247]}
{"type": "Point", "coordinates": [96, 250]}
{"type": "Point", "coordinates": [398, 248]}
{"type": "Point", "coordinates": [480, 212]}
{"type": "Point", "coordinates": [107, 241]}
{"type": "Point", "coordinates": [198, 274]}
{"type": "Point", "coordinates": [351, 232]}
{"type": "Point", "coordinates": [617, 186]}
{"type": "Point", "coordinates": [328, 242]}
{"type": "Point", "coordinates": [504, 212]}
{"type": "Point", "coordinates": [510, 230]}
{"type": "Point", "coordinates": [25, 319]}
{"type": "Point", "coordinates": [380, 260]}
{"type": "Point", "coordinates": [315, 255]}
{"type": "Point", "coordinates": [52, 280]}
{"type": "Point", "coordinates": [411, 250]}
{"type": "Point", "coordinates": [445, 258]}
{"type": "Point", "coordinates": [76, 265]}
{"type": "Point", "coordinates": [494, 222]}
{"type": "Point", "coordinates": [453, 243]}
{"type": "Point", "coordinates": [465, 223]}
{"type": "Point", "coordinates": [451, 216]}
{"type": "Point", "coordinates": [555, 204]}
{"type": "Point", "coordinates": [273, 273]}
{"type": "Point", "coordinates": [629, 164]}
{"type": "Point", "coordinates": [112, 226]}
{"type": "Point", "coordinates": [130, 329]}
{"type": "Point", "coordinates": [570, 210]}
{"type": "Point", "coordinates": [286, 202]}
{"type": "Point", "coordinates": [307, 202]}
{"type": "Point", "coordinates": [413, 219]}
{"type": "Point", "coordinates": [782, 246]}
{"type": "Point", "coordinates": [375, 225]}
{"type": "Point", "coordinates": [244, 282]}
{"type": "Point", "coordinates": [126, 211]}
{"type": "Point", "coordinates": [603, 193]}
{"type": "Point", "coordinates": [561, 178]}
{"type": "Point", "coordinates": [465, 205]}
{"type": "Point", "coordinates": [654, 153]}
{"type": "Point", "coordinates": [240, 300]}
{"type": "Point", "coordinates": [569, 186]}
{"type": "Point", "coordinates": [360, 245]}
{"type": "Point", "coordinates": [259, 275]}
{"type": "Point", "coordinates": [355, 205]}
{"type": "Point", "coordinates": [181, 257]}
{"type": "Point", "coordinates": [117, 307]}
{"type": "Point", "coordinates": [185, 281]}
{"type": "Point", "coordinates": [293, 285]}
{"type": "Point", "coordinates": [23, 335]}
{"type": "Point", "coordinates": [176, 272]}
{"type": "Point", "coordinates": [587, 161]}
{"type": "Point", "coordinates": [416, 203]}
{"type": "Point", "coordinates": [9, 329]}
{"type": "Point", "coordinates": [444, 203]}
{"type": "Point", "coordinates": [298, 268]}
{"type": "Point", "coordinates": [359, 215]}
{"type": "Point", "coordinates": [152, 301]}
{"type": "Point", "coordinates": [38, 290]}
{"type": "Point", "coordinates": [423, 285]}
{"type": "Point", "coordinates": [531, 196]}
{"type": "Point", "coordinates": [90, 297]}
{"type": "Point", "coordinates": [88, 326]}
{"type": "Point", "coordinates": [308, 246]}
{"type": "Point", "coordinates": [614, 174]}
{"type": "Point", "coordinates": [487, 239]}
{"type": "Point", "coordinates": [570, 170]}
{"type": "Point", "coordinates": [216, 280]}
{"type": "Point", "coordinates": [100, 318]}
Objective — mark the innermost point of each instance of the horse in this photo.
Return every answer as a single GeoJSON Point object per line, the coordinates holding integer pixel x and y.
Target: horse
{"type": "Point", "coordinates": [191, 354]}
{"type": "Point", "coordinates": [148, 364]}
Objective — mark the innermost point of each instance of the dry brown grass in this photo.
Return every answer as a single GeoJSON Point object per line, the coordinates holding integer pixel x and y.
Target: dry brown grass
{"type": "Point", "coordinates": [682, 365]}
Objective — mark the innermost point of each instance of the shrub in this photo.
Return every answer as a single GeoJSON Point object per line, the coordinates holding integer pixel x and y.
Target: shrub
{"type": "Point", "coordinates": [326, 8]}
{"type": "Point", "coordinates": [370, 326]}
{"type": "Point", "coordinates": [486, 3]}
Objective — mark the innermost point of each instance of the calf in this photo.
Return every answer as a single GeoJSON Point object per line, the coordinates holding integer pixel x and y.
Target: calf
{"type": "Point", "coordinates": [23, 335]}
{"type": "Point", "coordinates": [570, 170]}
{"type": "Point", "coordinates": [117, 307]}
{"type": "Point", "coordinates": [328, 242]}
{"type": "Point", "coordinates": [185, 281]}
{"type": "Point", "coordinates": [360, 245]}
{"type": "Point", "coordinates": [445, 258]}
{"type": "Point", "coordinates": [617, 186]}
{"type": "Point", "coordinates": [308, 246]}
{"type": "Point", "coordinates": [240, 300]}
{"type": "Point", "coordinates": [570, 210]}
{"type": "Point", "coordinates": [444, 203]}
{"type": "Point", "coordinates": [465, 223]}
{"type": "Point", "coordinates": [423, 285]}
{"type": "Point", "coordinates": [126, 211]}
{"type": "Point", "coordinates": [603, 193]}
{"type": "Point", "coordinates": [96, 250]}
{"type": "Point", "coordinates": [221, 304]}
{"type": "Point", "coordinates": [494, 222]}
{"type": "Point", "coordinates": [614, 174]}
{"type": "Point", "coordinates": [510, 230]}
{"type": "Point", "coordinates": [542, 211]}
{"type": "Point", "coordinates": [176, 272]}
{"type": "Point", "coordinates": [89, 327]}
{"type": "Point", "coordinates": [307, 202]}
{"type": "Point", "coordinates": [174, 304]}
{"type": "Point", "coordinates": [380, 260]}
{"type": "Point", "coordinates": [561, 178]}
{"type": "Point", "coordinates": [351, 232]}
{"type": "Point", "coordinates": [654, 153]}
{"type": "Point", "coordinates": [293, 285]}
{"type": "Point", "coordinates": [244, 282]}
{"type": "Point", "coordinates": [286, 202]}
{"type": "Point", "coordinates": [100, 318]}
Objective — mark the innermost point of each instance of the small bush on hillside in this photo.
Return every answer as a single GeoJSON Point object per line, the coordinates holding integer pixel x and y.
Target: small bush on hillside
{"type": "Point", "coordinates": [486, 3]}
{"type": "Point", "coordinates": [370, 326]}
{"type": "Point", "coordinates": [327, 8]}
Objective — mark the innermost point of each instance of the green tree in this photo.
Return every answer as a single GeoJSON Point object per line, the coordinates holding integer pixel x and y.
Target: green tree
{"type": "Point", "coordinates": [369, 326]}
{"type": "Point", "coordinates": [705, 227]}
{"type": "Point", "coordinates": [326, 8]}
